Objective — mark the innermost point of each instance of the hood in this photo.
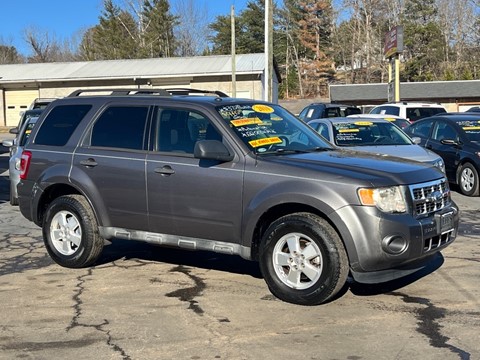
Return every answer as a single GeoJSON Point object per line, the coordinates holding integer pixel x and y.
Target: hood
{"type": "Point", "coordinates": [348, 166]}
{"type": "Point", "coordinates": [411, 152]}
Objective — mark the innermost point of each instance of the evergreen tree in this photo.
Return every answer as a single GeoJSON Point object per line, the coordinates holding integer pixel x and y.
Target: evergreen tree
{"type": "Point", "coordinates": [221, 38]}
{"type": "Point", "coordinates": [315, 31]}
{"type": "Point", "coordinates": [158, 24]}
{"type": "Point", "coordinates": [115, 37]}
{"type": "Point", "coordinates": [423, 41]}
{"type": "Point", "coordinates": [251, 25]}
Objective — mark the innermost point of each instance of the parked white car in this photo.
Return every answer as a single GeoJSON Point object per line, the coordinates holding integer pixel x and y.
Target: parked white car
{"type": "Point", "coordinates": [411, 111]}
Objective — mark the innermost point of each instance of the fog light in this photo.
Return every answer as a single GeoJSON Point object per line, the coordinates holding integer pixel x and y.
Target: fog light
{"type": "Point", "coordinates": [394, 245]}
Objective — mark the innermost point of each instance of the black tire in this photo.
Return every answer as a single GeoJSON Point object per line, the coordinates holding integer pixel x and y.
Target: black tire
{"type": "Point", "coordinates": [468, 180]}
{"type": "Point", "coordinates": [318, 268]}
{"type": "Point", "coordinates": [70, 232]}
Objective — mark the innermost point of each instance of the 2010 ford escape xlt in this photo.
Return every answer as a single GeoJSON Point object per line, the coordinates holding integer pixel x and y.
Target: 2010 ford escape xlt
{"type": "Point", "coordinates": [233, 176]}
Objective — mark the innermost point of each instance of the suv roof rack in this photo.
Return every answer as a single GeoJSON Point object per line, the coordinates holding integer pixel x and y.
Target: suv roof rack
{"type": "Point", "coordinates": [188, 91]}
{"type": "Point", "coordinates": [160, 92]}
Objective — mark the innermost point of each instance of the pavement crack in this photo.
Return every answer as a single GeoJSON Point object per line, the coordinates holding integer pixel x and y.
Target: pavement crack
{"type": "Point", "coordinates": [428, 316]}
{"type": "Point", "coordinates": [78, 310]}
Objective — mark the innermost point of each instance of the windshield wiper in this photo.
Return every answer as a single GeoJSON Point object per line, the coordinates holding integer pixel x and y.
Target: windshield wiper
{"type": "Point", "coordinates": [320, 148]}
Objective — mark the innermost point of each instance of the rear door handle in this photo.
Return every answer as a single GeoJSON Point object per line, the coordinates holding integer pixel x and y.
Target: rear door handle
{"type": "Point", "coordinates": [165, 170]}
{"type": "Point", "coordinates": [89, 162]}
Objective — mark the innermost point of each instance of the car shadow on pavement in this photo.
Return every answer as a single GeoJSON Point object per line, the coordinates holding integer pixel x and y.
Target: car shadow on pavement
{"type": "Point", "coordinates": [360, 289]}
{"type": "Point", "coordinates": [137, 250]}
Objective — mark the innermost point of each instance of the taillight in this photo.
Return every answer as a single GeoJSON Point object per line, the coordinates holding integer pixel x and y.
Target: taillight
{"type": "Point", "coordinates": [25, 163]}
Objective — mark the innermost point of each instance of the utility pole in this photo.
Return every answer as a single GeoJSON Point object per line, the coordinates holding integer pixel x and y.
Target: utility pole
{"type": "Point", "coordinates": [268, 49]}
{"type": "Point", "coordinates": [234, 60]}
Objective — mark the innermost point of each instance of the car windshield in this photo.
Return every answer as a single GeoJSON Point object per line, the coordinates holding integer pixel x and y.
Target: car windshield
{"type": "Point", "coordinates": [270, 129]}
{"type": "Point", "coordinates": [365, 133]}
{"type": "Point", "coordinates": [471, 129]}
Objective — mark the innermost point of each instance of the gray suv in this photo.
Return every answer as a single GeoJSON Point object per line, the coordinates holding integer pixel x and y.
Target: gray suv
{"type": "Point", "coordinates": [233, 176]}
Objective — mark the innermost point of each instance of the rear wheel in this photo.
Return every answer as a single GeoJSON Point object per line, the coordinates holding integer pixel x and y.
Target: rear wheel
{"type": "Point", "coordinates": [70, 232]}
{"type": "Point", "coordinates": [468, 180]}
{"type": "Point", "coordinates": [303, 260]}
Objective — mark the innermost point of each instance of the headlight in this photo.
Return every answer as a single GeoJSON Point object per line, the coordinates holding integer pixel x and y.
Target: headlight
{"type": "Point", "coordinates": [440, 165]}
{"type": "Point", "coordinates": [390, 199]}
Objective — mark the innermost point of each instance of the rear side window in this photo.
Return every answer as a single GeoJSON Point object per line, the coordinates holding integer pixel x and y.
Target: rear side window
{"type": "Point", "coordinates": [121, 127]}
{"type": "Point", "coordinates": [422, 112]}
{"type": "Point", "coordinates": [389, 110]}
{"type": "Point", "coordinates": [421, 129]}
{"type": "Point", "coordinates": [60, 124]}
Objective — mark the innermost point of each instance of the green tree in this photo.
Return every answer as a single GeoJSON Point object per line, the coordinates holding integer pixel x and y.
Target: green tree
{"type": "Point", "coordinates": [115, 37]}
{"type": "Point", "coordinates": [158, 24]}
{"type": "Point", "coordinates": [249, 30]}
{"type": "Point", "coordinates": [423, 40]}
{"type": "Point", "coordinates": [221, 38]}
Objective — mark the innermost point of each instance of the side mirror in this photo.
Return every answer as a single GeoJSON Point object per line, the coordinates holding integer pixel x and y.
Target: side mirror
{"type": "Point", "coordinates": [416, 140]}
{"type": "Point", "coordinates": [7, 143]}
{"type": "Point", "coordinates": [13, 130]}
{"type": "Point", "coordinates": [212, 150]}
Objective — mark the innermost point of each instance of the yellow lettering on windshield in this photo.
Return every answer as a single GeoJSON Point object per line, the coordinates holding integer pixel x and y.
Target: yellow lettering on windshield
{"type": "Point", "coordinates": [265, 141]}
{"type": "Point", "coordinates": [363, 123]}
{"type": "Point", "coordinates": [243, 122]}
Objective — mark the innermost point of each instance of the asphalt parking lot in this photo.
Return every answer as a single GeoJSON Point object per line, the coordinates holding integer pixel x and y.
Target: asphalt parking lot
{"type": "Point", "coordinates": [147, 302]}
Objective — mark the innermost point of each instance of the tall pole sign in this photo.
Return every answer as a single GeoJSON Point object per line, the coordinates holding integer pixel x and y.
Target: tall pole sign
{"type": "Point", "coordinates": [268, 50]}
{"type": "Point", "coordinates": [392, 49]}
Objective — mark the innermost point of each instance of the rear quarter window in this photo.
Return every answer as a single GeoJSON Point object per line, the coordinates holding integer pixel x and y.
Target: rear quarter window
{"type": "Point", "coordinates": [60, 123]}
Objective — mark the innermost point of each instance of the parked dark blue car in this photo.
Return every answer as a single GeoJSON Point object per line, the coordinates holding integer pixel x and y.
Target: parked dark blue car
{"type": "Point", "coordinates": [456, 138]}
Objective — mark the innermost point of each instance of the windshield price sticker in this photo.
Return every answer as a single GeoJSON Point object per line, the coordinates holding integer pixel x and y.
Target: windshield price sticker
{"type": "Point", "coordinates": [244, 122]}
{"type": "Point", "coordinates": [265, 141]}
{"type": "Point", "coordinates": [470, 128]}
{"type": "Point", "coordinates": [348, 130]}
{"type": "Point", "coordinates": [265, 109]}
{"type": "Point", "coordinates": [363, 123]}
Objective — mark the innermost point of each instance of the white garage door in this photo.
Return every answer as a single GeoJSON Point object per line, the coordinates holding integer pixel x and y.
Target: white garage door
{"type": "Point", "coordinates": [17, 101]}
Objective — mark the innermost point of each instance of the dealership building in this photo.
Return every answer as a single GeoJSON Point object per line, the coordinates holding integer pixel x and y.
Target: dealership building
{"type": "Point", "coordinates": [21, 84]}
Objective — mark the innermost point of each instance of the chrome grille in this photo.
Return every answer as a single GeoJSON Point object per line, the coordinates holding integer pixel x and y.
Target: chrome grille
{"type": "Point", "coordinates": [429, 197]}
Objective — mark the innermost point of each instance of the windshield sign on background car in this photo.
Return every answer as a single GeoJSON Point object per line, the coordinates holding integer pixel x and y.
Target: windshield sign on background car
{"type": "Point", "coordinates": [471, 128]}
{"type": "Point", "coordinates": [365, 133]}
{"type": "Point", "coordinates": [270, 128]}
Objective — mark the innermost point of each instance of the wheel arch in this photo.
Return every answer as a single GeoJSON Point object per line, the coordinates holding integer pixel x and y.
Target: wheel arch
{"type": "Point", "coordinates": [276, 212]}
{"type": "Point", "coordinates": [56, 190]}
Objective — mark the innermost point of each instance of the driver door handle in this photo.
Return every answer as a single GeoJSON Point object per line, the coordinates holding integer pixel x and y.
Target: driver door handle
{"type": "Point", "coordinates": [90, 162]}
{"type": "Point", "coordinates": [165, 170]}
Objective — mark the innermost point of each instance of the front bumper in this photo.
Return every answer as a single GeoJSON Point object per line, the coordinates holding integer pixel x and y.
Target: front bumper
{"type": "Point", "coordinates": [387, 246]}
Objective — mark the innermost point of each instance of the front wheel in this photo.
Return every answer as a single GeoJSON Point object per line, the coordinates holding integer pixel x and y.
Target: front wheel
{"type": "Point", "coordinates": [70, 232]}
{"type": "Point", "coordinates": [303, 260]}
{"type": "Point", "coordinates": [468, 180]}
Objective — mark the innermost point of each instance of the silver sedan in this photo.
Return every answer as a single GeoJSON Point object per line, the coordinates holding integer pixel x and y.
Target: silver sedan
{"type": "Point", "coordinates": [374, 135]}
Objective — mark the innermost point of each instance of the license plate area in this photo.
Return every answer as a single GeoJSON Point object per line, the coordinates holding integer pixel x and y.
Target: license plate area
{"type": "Point", "coordinates": [446, 222]}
